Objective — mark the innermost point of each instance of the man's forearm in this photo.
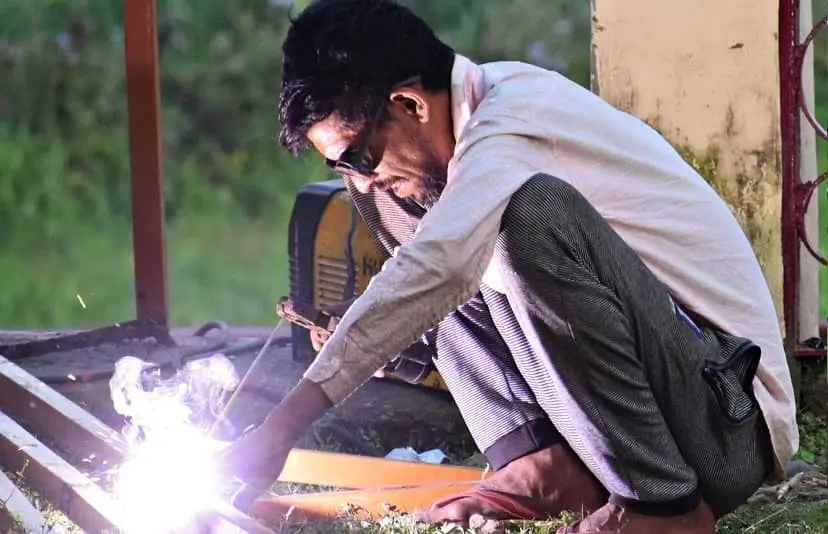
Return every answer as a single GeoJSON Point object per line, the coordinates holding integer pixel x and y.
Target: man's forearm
{"type": "Point", "coordinates": [288, 421]}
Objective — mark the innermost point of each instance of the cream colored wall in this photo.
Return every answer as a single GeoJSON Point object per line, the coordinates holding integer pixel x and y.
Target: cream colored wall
{"type": "Point", "coordinates": [705, 74]}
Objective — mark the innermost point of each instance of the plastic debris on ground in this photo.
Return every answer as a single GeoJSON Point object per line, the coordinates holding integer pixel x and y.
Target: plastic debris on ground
{"type": "Point", "coordinates": [434, 456]}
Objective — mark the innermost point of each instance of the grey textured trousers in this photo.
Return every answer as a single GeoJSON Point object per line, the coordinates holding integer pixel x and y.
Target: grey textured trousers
{"type": "Point", "coordinates": [586, 346]}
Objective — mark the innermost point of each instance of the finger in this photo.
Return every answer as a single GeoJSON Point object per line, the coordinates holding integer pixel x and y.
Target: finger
{"type": "Point", "coordinates": [316, 345]}
{"type": "Point", "coordinates": [245, 496]}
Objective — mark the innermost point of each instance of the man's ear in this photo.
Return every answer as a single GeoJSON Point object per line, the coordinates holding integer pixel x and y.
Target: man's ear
{"type": "Point", "coordinates": [413, 103]}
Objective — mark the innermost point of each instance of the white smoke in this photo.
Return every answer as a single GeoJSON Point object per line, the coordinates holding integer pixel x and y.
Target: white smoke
{"type": "Point", "coordinates": [151, 403]}
{"type": "Point", "coordinates": [168, 478]}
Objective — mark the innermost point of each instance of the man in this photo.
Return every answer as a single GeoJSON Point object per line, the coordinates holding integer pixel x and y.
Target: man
{"type": "Point", "coordinates": [595, 309]}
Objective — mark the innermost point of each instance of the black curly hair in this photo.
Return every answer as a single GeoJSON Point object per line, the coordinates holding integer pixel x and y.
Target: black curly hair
{"type": "Point", "coordinates": [344, 56]}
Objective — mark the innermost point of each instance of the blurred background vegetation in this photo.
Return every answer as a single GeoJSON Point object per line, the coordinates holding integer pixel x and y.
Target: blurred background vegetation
{"type": "Point", "coordinates": [65, 237]}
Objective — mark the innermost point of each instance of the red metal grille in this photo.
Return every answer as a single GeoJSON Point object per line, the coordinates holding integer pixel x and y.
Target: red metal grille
{"type": "Point", "coordinates": [796, 194]}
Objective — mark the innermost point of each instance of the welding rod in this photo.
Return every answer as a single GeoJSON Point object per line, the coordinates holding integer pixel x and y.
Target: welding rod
{"type": "Point", "coordinates": [244, 379]}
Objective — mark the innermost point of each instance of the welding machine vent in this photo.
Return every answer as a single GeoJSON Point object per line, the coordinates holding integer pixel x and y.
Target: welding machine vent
{"type": "Point", "coordinates": [334, 280]}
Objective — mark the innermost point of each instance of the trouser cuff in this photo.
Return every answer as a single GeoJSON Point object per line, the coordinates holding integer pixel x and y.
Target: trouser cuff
{"type": "Point", "coordinates": [680, 506]}
{"type": "Point", "coordinates": [525, 439]}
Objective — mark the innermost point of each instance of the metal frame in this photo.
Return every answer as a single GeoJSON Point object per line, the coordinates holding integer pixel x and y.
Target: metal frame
{"type": "Point", "coordinates": [375, 485]}
{"type": "Point", "coordinates": [76, 434]}
{"type": "Point", "coordinates": [796, 193]}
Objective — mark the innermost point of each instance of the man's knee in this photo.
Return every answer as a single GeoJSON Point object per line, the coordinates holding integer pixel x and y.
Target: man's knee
{"type": "Point", "coordinates": [542, 221]}
{"type": "Point", "coordinates": [544, 192]}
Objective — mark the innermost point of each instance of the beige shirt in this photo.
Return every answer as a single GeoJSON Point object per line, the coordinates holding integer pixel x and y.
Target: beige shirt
{"type": "Point", "coordinates": [511, 121]}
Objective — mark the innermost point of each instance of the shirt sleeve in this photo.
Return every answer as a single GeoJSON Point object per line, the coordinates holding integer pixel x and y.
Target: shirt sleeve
{"type": "Point", "coordinates": [441, 266]}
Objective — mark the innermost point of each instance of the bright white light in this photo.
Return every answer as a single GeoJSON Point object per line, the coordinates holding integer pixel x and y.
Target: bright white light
{"type": "Point", "coordinates": [169, 477]}
{"type": "Point", "coordinates": [167, 481]}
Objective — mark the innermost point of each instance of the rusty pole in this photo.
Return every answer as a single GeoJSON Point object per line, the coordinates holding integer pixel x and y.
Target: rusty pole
{"type": "Point", "coordinates": [146, 164]}
{"type": "Point", "coordinates": [789, 125]}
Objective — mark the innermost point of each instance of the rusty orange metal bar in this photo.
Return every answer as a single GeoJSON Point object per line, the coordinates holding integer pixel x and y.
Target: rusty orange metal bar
{"type": "Point", "coordinates": [364, 504]}
{"type": "Point", "coordinates": [362, 472]}
{"type": "Point", "coordinates": [146, 162]}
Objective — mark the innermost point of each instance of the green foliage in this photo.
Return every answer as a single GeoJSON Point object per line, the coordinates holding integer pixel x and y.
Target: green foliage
{"type": "Point", "coordinates": [64, 165]}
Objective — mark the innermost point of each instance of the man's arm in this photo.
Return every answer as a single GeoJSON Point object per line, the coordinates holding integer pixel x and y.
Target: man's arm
{"type": "Point", "coordinates": [432, 274]}
{"type": "Point", "coordinates": [440, 268]}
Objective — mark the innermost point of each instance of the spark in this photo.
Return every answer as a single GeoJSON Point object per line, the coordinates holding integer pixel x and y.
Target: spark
{"type": "Point", "coordinates": [80, 299]}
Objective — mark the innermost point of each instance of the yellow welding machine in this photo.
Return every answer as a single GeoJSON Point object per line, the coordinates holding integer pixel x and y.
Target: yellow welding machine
{"type": "Point", "coordinates": [332, 258]}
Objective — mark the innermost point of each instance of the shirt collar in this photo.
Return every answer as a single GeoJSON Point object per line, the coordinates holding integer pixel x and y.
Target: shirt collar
{"type": "Point", "coordinates": [468, 87]}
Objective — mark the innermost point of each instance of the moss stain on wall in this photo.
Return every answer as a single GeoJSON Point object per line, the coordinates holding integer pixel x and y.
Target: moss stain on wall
{"type": "Point", "coordinates": [749, 182]}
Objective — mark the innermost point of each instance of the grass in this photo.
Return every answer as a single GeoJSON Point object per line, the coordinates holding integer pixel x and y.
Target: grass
{"type": "Point", "coordinates": [218, 268]}
{"type": "Point", "coordinates": [796, 513]}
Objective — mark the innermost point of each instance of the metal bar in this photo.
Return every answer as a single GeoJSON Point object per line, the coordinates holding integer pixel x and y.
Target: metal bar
{"type": "Point", "coordinates": [362, 472]}
{"type": "Point", "coordinates": [56, 480]}
{"type": "Point", "coordinates": [88, 338]}
{"type": "Point", "coordinates": [146, 165]}
{"type": "Point", "coordinates": [789, 126]}
{"type": "Point", "coordinates": [16, 512]}
{"type": "Point", "coordinates": [53, 417]}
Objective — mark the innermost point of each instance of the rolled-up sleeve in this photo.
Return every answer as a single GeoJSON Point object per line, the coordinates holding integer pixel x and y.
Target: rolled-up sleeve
{"type": "Point", "coordinates": [441, 266]}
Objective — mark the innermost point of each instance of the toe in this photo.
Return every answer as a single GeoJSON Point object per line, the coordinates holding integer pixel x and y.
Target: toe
{"type": "Point", "coordinates": [431, 515]}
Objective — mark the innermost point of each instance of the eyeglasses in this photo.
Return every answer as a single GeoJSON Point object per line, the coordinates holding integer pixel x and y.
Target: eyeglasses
{"type": "Point", "coordinates": [358, 160]}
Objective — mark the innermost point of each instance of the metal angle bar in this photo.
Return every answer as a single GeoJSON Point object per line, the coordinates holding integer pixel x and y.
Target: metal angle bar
{"type": "Point", "coordinates": [69, 490]}
{"type": "Point", "coordinates": [87, 338]}
{"type": "Point", "coordinates": [363, 472]}
{"type": "Point", "coordinates": [52, 416]}
{"type": "Point", "coordinates": [16, 512]}
{"type": "Point", "coordinates": [145, 157]}
{"type": "Point", "coordinates": [77, 432]}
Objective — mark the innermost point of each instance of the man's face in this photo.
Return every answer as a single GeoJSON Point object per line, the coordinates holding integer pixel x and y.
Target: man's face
{"type": "Point", "coordinates": [406, 153]}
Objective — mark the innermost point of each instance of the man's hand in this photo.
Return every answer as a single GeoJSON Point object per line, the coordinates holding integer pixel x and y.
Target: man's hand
{"type": "Point", "coordinates": [320, 336]}
{"type": "Point", "coordinates": [257, 459]}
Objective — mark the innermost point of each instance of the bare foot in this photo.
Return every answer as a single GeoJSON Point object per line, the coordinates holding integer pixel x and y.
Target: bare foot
{"type": "Point", "coordinates": [612, 519]}
{"type": "Point", "coordinates": [538, 486]}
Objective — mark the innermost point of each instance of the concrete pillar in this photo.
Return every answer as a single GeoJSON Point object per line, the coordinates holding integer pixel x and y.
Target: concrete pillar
{"type": "Point", "coordinates": [705, 74]}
